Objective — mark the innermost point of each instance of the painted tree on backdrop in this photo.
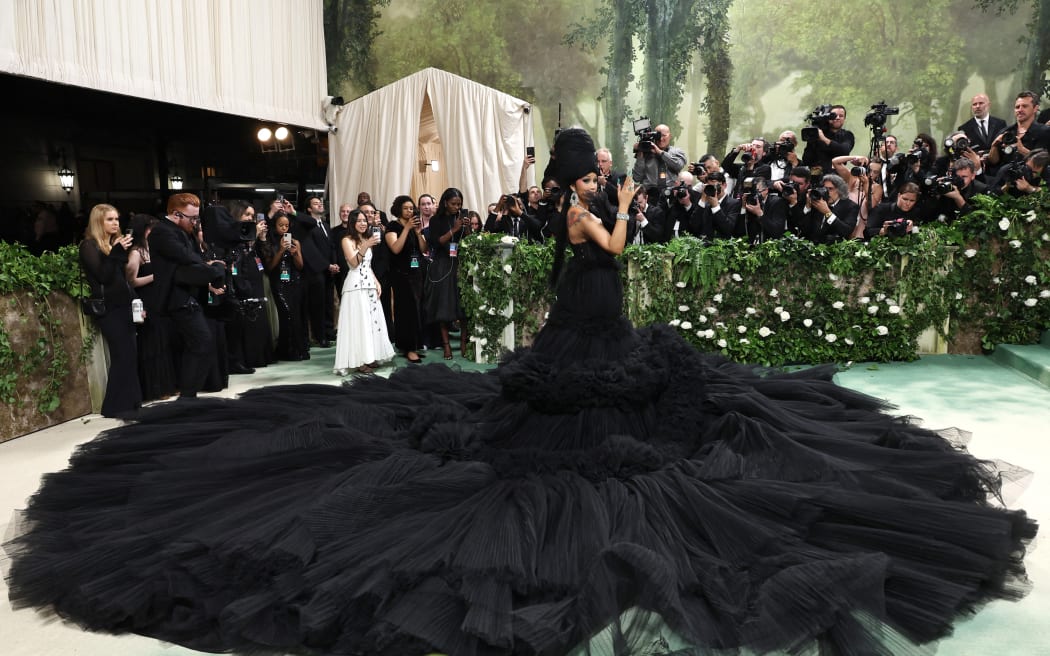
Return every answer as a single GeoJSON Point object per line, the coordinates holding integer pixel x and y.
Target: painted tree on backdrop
{"type": "Point", "coordinates": [515, 48]}
{"type": "Point", "coordinates": [915, 55]}
{"type": "Point", "coordinates": [1036, 59]}
{"type": "Point", "coordinates": [350, 28]}
{"type": "Point", "coordinates": [669, 32]}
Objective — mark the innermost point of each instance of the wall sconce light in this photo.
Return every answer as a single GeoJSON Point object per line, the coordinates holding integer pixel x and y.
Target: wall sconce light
{"type": "Point", "coordinates": [65, 175]}
{"type": "Point", "coordinates": [425, 166]}
{"type": "Point", "coordinates": [275, 141]}
{"type": "Point", "coordinates": [176, 182]}
{"type": "Point", "coordinates": [434, 166]}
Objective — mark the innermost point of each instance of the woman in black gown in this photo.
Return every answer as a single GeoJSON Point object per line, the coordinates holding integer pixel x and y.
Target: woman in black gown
{"type": "Point", "coordinates": [103, 256]}
{"type": "Point", "coordinates": [404, 237]}
{"type": "Point", "coordinates": [608, 477]}
{"type": "Point", "coordinates": [156, 361]}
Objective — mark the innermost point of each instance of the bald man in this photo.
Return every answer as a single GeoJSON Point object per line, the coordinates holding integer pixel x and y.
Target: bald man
{"type": "Point", "coordinates": [982, 128]}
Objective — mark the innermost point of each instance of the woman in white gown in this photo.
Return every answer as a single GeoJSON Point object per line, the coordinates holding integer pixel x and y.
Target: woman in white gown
{"type": "Point", "coordinates": [362, 342]}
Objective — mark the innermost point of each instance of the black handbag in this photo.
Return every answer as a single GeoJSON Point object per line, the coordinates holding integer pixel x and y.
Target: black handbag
{"type": "Point", "coordinates": [92, 306]}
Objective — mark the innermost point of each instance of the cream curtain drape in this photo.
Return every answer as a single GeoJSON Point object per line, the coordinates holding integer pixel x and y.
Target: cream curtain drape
{"type": "Point", "coordinates": [477, 134]}
{"type": "Point", "coordinates": [258, 58]}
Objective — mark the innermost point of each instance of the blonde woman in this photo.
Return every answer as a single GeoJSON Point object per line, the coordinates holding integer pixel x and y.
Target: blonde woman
{"type": "Point", "coordinates": [103, 257]}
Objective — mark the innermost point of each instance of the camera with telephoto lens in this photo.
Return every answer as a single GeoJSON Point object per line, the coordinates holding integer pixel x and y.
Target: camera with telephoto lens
{"type": "Point", "coordinates": [712, 189]}
{"type": "Point", "coordinates": [876, 118]}
{"type": "Point", "coordinates": [647, 136]}
{"type": "Point", "coordinates": [788, 189]}
{"type": "Point", "coordinates": [778, 151]}
{"type": "Point", "coordinates": [918, 152]}
{"type": "Point", "coordinates": [1015, 171]}
{"type": "Point", "coordinates": [819, 192]}
{"type": "Point", "coordinates": [858, 171]}
{"type": "Point", "coordinates": [680, 191]}
{"type": "Point", "coordinates": [941, 185]}
{"type": "Point", "coordinates": [1008, 144]}
{"type": "Point", "coordinates": [897, 228]}
{"type": "Point", "coordinates": [819, 119]}
{"type": "Point", "coordinates": [749, 191]}
{"type": "Point", "coordinates": [956, 147]}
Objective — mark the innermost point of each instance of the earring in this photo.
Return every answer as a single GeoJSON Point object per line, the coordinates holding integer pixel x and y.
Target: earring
{"type": "Point", "coordinates": [574, 199]}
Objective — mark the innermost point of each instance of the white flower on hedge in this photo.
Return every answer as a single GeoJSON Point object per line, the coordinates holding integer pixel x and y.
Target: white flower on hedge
{"type": "Point", "coordinates": [680, 284]}
{"type": "Point", "coordinates": [894, 309]}
{"type": "Point", "coordinates": [741, 329]}
{"type": "Point", "coordinates": [864, 300]}
{"type": "Point", "coordinates": [848, 341]}
{"type": "Point", "coordinates": [483, 341]}
{"type": "Point", "coordinates": [745, 340]}
{"type": "Point", "coordinates": [722, 343]}
{"type": "Point", "coordinates": [508, 239]}
{"type": "Point", "coordinates": [1030, 302]}
{"type": "Point", "coordinates": [1013, 294]}
{"type": "Point", "coordinates": [674, 322]}
{"type": "Point", "coordinates": [890, 301]}
{"type": "Point", "coordinates": [482, 308]}
{"type": "Point", "coordinates": [832, 277]}
{"type": "Point", "coordinates": [970, 252]}
{"type": "Point", "coordinates": [737, 277]}
{"type": "Point", "coordinates": [710, 309]}
{"type": "Point", "coordinates": [507, 268]}
{"type": "Point", "coordinates": [686, 325]}
{"type": "Point", "coordinates": [717, 298]}
{"type": "Point", "coordinates": [830, 338]}
{"type": "Point", "coordinates": [764, 332]}
{"type": "Point", "coordinates": [719, 324]}
{"type": "Point", "coordinates": [997, 280]}
{"type": "Point", "coordinates": [750, 311]}
{"type": "Point", "coordinates": [882, 330]}
{"type": "Point", "coordinates": [784, 316]}
{"type": "Point", "coordinates": [1031, 280]}
{"type": "Point", "coordinates": [819, 332]}
{"type": "Point", "coordinates": [1046, 236]}
{"type": "Point", "coordinates": [492, 311]}
{"type": "Point", "coordinates": [1004, 224]}
{"type": "Point", "coordinates": [1015, 243]}
{"type": "Point", "coordinates": [701, 319]}
{"type": "Point", "coordinates": [778, 309]}
{"type": "Point", "coordinates": [808, 323]}
{"type": "Point", "coordinates": [1045, 293]}
{"type": "Point", "coordinates": [873, 309]}
{"type": "Point", "coordinates": [1030, 216]}
{"type": "Point", "coordinates": [683, 308]}
{"type": "Point", "coordinates": [808, 304]}
{"type": "Point", "coordinates": [958, 296]}
{"type": "Point", "coordinates": [706, 334]}
{"type": "Point", "coordinates": [774, 293]}
{"type": "Point", "coordinates": [838, 305]}
{"type": "Point", "coordinates": [879, 296]}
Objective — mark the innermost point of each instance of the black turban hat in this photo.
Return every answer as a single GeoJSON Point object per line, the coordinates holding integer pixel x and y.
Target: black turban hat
{"type": "Point", "coordinates": [574, 156]}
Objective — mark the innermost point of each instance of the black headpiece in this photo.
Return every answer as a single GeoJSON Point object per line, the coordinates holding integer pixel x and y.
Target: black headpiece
{"type": "Point", "coordinates": [574, 156]}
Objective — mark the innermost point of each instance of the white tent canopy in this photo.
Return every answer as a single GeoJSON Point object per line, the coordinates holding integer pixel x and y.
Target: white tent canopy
{"type": "Point", "coordinates": [381, 141]}
{"type": "Point", "coordinates": [198, 53]}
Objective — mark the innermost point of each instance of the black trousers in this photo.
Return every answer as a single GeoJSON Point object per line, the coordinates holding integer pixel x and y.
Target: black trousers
{"type": "Point", "coordinates": [314, 290]}
{"type": "Point", "coordinates": [123, 393]}
{"type": "Point", "coordinates": [198, 348]}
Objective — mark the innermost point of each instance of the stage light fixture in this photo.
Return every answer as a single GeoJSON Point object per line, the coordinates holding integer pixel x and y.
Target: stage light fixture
{"type": "Point", "coordinates": [264, 134]}
{"type": "Point", "coordinates": [281, 133]}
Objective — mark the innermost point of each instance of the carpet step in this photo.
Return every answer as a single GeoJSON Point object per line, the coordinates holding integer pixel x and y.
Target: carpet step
{"type": "Point", "coordinates": [1032, 360]}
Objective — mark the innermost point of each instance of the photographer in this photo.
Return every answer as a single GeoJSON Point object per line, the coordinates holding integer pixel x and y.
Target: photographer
{"type": "Point", "coordinates": [753, 158]}
{"type": "Point", "coordinates": [719, 212]}
{"type": "Point", "coordinates": [1021, 178]}
{"type": "Point", "coordinates": [510, 219]}
{"type": "Point", "coordinates": [608, 179]}
{"type": "Point", "coordinates": [956, 145]}
{"type": "Point", "coordinates": [680, 205]}
{"type": "Point", "coordinates": [829, 216]}
{"type": "Point", "coordinates": [913, 166]}
{"type": "Point", "coordinates": [705, 166]}
{"type": "Point", "coordinates": [955, 191]}
{"type": "Point", "coordinates": [1024, 136]}
{"type": "Point", "coordinates": [895, 219]}
{"type": "Point", "coordinates": [794, 191]}
{"type": "Point", "coordinates": [782, 157]}
{"type": "Point", "coordinates": [761, 216]}
{"type": "Point", "coordinates": [656, 161]}
{"type": "Point", "coordinates": [826, 139]}
{"type": "Point", "coordinates": [648, 219]}
{"type": "Point", "coordinates": [863, 178]}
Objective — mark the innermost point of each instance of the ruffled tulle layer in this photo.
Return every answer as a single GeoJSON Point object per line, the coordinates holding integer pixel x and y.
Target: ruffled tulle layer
{"type": "Point", "coordinates": [525, 510]}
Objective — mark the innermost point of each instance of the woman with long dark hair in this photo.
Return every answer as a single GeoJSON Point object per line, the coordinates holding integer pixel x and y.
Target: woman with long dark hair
{"type": "Point", "coordinates": [441, 286]}
{"type": "Point", "coordinates": [408, 246]}
{"type": "Point", "coordinates": [285, 269]}
{"type": "Point", "coordinates": [608, 484]}
{"type": "Point", "coordinates": [156, 359]}
{"type": "Point", "coordinates": [103, 256]}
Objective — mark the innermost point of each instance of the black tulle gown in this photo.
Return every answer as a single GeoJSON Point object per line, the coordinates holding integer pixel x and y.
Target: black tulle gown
{"type": "Point", "coordinates": [607, 480]}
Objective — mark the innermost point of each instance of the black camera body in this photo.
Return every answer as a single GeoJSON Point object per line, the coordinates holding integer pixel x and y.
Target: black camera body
{"type": "Point", "coordinates": [749, 191]}
{"type": "Point", "coordinates": [876, 118]}
{"type": "Point", "coordinates": [818, 119]}
{"type": "Point", "coordinates": [778, 151]}
{"type": "Point", "coordinates": [646, 134]}
{"type": "Point", "coordinates": [858, 171]}
{"type": "Point", "coordinates": [819, 193]}
{"type": "Point", "coordinates": [712, 189]}
{"type": "Point", "coordinates": [1017, 170]}
{"type": "Point", "coordinates": [789, 189]}
{"type": "Point", "coordinates": [897, 228]}
{"type": "Point", "coordinates": [1008, 144]}
{"type": "Point", "coordinates": [956, 147]}
{"type": "Point", "coordinates": [941, 185]}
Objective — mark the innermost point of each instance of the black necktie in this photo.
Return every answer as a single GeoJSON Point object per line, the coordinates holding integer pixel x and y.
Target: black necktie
{"type": "Point", "coordinates": [984, 130]}
{"type": "Point", "coordinates": [320, 224]}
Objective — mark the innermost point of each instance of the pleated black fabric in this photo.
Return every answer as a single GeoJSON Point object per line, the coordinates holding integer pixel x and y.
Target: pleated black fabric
{"type": "Point", "coordinates": [608, 480]}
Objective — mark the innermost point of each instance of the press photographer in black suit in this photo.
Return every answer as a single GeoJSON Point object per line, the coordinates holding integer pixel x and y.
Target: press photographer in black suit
{"type": "Point", "coordinates": [827, 139]}
{"type": "Point", "coordinates": [829, 216]}
{"type": "Point", "coordinates": [982, 128]}
{"type": "Point", "coordinates": [1018, 140]}
{"type": "Point", "coordinates": [761, 216]}
{"type": "Point", "coordinates": [954, 193]}
{"type": "Point", "coordinates": [895, 218]}
{"type": "Point", "coordinates": [182, 276]}
{"type": "Point", "coordinates": [1024, 177]}
{"type": "Point", "coordinates": [320, 269]}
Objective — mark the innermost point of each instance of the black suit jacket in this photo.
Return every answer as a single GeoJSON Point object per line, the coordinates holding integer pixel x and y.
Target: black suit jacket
{"type": "Point", "coordinates": [179, 270]}
{"type": "Point", "coordinates": [995, 126]}
{"type": "Point", "coordinates": [318, 249]}
{"type": "Point", "coordinates": [816, 229]}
